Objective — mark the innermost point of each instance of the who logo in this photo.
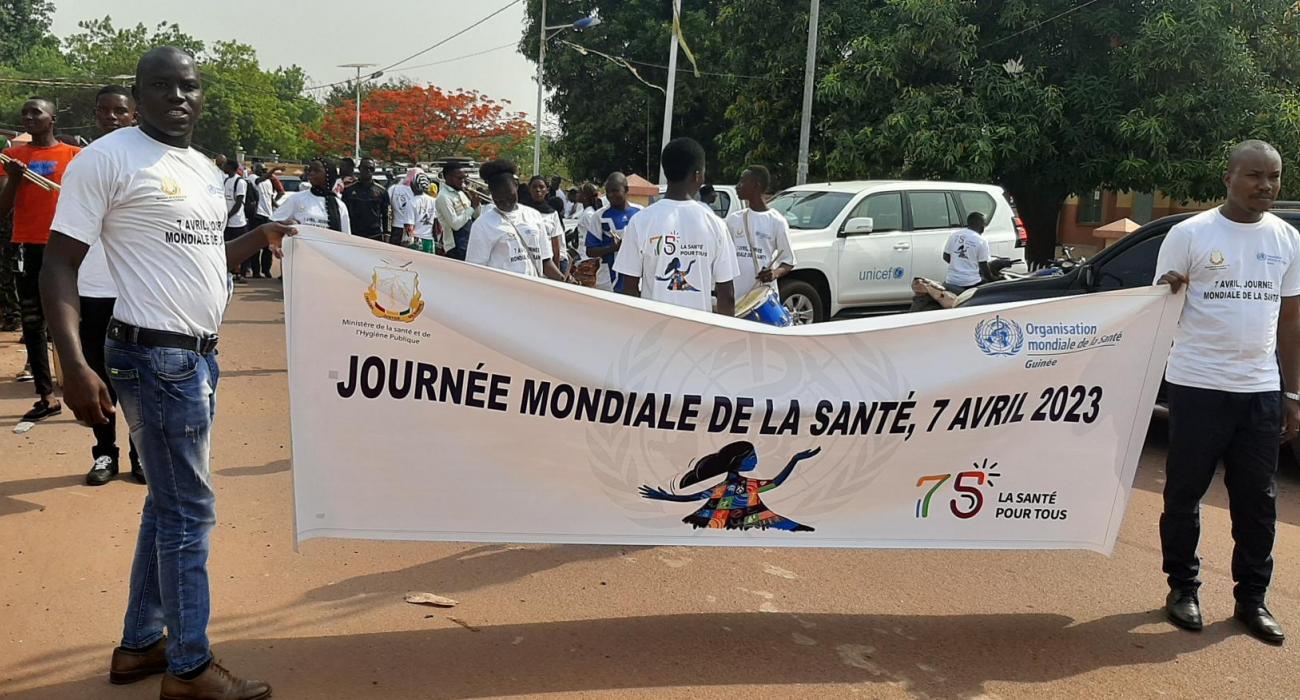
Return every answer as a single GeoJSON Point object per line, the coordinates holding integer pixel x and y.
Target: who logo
{"type": "Point", "coordinates": [999, 336]}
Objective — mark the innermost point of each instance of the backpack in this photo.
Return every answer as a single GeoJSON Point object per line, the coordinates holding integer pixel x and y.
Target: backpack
{"type": "Point", "coordinates": [251, 197]}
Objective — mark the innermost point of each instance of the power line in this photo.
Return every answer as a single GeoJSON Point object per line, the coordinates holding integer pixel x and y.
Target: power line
{"type": "Point", "coordinates": [1038, 25]}
{"type": "Point", "coordinates": [421, 52]}
{"type": "Point", "coordinates": [458, 58]}
{"type": "Point", "coordinates": [620, 60]}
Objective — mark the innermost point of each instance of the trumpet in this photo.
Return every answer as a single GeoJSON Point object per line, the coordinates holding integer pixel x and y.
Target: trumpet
{"type": "Point", "coordinates": [40, 181]}
{"type": "Point", "coordinates": [474, 185]}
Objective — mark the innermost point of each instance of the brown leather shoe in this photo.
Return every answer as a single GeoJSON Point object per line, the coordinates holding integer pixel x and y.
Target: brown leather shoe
{"type": "Point", "coordinates": [131, 666]}
{"type": "Point", "coordinates": [215, 683]}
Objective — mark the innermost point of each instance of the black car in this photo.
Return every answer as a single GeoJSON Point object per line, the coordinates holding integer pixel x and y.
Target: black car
{"type": "Point", "coordinates": [1131, 262]}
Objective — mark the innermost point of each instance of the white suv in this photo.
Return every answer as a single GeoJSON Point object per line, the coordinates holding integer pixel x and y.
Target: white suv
{"type": "Point", "coordinates": [859, 244]}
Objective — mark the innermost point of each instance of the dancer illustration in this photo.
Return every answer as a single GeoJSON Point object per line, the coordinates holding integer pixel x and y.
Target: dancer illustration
{"type": "Point", "coordinates": [733, 504]}
{"type": "Point", "coordinates": [675, 276]}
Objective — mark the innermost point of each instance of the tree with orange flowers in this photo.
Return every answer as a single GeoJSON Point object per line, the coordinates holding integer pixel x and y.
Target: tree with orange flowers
{"type": "Point", "coordinates": [411, 123]}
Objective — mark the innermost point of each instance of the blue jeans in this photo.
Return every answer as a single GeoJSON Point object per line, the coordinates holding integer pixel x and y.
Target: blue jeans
{"type": "Point", "coordinates": [168, 397]}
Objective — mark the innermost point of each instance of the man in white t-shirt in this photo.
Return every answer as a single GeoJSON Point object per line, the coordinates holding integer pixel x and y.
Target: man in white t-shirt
{"type": "Point", "coordinates": [759, 234]}
{"type": "Point", "coordinates": [157, 205]}
{"type": "Point", "coordinates": [508, 236]}
{"type": "Point", "coordinates": [588, 221]}
{"type": "Point", "coordinates": [235, 189]}
{"type": "Point", "coordinates": [114, 109]}
{"type": "Point", "coordinates": [967, 255]}
{"type": "Point", "coordinates": [680, 248]}
{"type": "Point", "coordinates": [1227, 399]}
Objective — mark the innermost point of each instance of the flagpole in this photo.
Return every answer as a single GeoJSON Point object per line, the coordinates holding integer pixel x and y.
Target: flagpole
{"type": "Point", "coordinates": [668, 97]}
{"type": "Point", "coordinates": [809, 75]}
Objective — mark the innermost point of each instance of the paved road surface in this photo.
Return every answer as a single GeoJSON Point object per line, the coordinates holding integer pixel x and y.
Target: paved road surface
{"type": "Point", "coordinates": [626, 622]}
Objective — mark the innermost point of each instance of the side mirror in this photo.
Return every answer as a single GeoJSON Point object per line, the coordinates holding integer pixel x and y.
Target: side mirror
{"type": "Point", "coordinates": [1089, 276]}
{"type": "Point", "coordinates": [858, 225]}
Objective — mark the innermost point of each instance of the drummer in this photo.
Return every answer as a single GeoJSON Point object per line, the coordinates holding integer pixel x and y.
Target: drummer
{"type": "Point", "coordinates": [758, 234]}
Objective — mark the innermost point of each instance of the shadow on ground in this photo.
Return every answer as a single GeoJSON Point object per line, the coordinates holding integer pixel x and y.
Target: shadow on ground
{"type": "Point", "coordinates": [281, 465]}
{"type": "Point", "coordinates": [474, 568]}
{"type": "Point", "coordinates": [9, 505]}
{"type": "Point", "coordinates": [928, 656]}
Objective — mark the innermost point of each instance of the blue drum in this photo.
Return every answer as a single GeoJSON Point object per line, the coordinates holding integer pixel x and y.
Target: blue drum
{"type": "Point", "coordinates": [763, 304]}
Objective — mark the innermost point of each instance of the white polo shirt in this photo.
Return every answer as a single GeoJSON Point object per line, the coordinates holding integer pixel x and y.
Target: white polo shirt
{"type": "Point", "coordinates": [160, 213]}
{"type": "Point", "coordinates": [1237, 275]}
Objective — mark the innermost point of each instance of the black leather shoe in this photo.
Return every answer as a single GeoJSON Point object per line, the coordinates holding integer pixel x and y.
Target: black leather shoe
{"type": "Point", "coordinates": [1260, 622]}
{"type": "Point", "coordinates": [129, 666]}
{"type": "Point", "coordinates": [1184, 610]}
{"type": "Point", "coordinates": [104, 469]}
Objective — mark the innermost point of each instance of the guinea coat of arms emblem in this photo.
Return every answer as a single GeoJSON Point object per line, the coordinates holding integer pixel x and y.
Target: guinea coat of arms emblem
{"type": "Point", "coordinates": [394, 293]}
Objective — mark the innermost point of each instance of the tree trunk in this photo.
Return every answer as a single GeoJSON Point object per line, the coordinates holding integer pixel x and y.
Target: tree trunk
{"type": "Point", "coordinates": [1040, 209]}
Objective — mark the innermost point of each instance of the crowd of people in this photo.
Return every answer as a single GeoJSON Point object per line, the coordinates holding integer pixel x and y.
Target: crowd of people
{"type": "Point", "coordinates": [131, 264]}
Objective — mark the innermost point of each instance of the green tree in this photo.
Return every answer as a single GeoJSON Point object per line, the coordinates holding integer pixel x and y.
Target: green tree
{"type": "Point", "coordinates": [24, 25]}
{"type": "Point", "coordinates": [1129, 96]}
{"type": "Point", "coordinates": [251, 109]}
{"type": "Point", "coordinates": [609, 119]}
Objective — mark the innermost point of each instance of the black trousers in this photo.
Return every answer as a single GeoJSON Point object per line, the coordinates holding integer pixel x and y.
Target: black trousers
{"type": "Point", "coordinates": [259, 262]}
{"type": "Point", "coordinates": [34, 333]}
{"type": "Point", "coordinates": [395, 235]}
{"type": "Point", "coordinates": [1206, 426]}
{"type": "Point", "coordinates": [95, 315]}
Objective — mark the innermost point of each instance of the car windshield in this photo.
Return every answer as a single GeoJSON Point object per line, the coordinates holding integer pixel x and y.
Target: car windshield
{"type": "Point", "coordinates": [810, 209]}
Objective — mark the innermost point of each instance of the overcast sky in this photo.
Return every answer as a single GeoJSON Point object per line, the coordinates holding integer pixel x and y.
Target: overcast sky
{"type": "Point", "coordinates": [322, 34]}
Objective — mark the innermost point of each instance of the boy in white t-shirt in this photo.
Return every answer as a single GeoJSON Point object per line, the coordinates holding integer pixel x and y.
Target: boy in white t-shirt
{"type": "Point", "coordinates": [424, 213]}
{"type": "Point", "coordinates": [967, 255]}
{"type": "Point", "coordinates": [1227, 400]}
{"type": "Point", "coordinates": [508, 236]}
{"type": "Point", "coordinates": [681, 248]}
{"type": "Point", "coordinates": [758, 234]}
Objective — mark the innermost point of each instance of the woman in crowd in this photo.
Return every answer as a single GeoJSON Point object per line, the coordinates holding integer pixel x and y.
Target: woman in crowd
{"type": "Point", "coordinates": [318, 206]}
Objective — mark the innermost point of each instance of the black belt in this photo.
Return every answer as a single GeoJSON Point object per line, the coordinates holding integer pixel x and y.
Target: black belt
{"type": "Point", "coordinates": [127, 333]}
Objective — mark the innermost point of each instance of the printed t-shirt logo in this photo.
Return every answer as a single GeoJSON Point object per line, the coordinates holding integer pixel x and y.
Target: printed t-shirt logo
{"type": "Point", "coordinates": [171, 188]}
{"type": "Point", "coordinates": [1217, 261]}
{"type": "Point", "coordinates": [999, 336]}
{"type": "Point", "coordinates": [394, 293]}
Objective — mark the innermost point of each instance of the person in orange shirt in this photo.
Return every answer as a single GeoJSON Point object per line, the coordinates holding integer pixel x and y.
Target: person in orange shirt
{"type": "Point", "coordinates": [33, 210]}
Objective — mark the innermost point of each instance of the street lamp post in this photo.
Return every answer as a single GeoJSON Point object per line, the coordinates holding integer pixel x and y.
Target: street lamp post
{"type": "Point", "coordinates": [584, 23]}
{"type": "Point", "coordinates": [356, 147]}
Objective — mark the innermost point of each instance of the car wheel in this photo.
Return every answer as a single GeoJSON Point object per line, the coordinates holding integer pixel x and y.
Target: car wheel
{"type": "Point", "coordinates": [803, 302]}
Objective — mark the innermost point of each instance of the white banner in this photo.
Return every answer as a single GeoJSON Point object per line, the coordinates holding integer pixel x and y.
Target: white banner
{"type": "Point", "coordinates": [436, 400]}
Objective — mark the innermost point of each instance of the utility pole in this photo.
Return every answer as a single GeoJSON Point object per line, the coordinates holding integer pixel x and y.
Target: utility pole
{"type": "Point", "coordinates": [541, 61]}
{"type": "Point", "coordinates": [809, 76]}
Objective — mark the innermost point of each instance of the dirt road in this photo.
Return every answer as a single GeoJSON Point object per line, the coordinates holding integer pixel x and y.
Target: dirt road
{"type": "Point", "coordinates": [329, 622]}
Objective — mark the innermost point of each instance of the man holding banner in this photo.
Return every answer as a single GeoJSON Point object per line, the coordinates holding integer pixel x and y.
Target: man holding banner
{"type": "Point", "coordinates": [1241, 267]}
{"type": "Point", "coordinates": [157, 205]}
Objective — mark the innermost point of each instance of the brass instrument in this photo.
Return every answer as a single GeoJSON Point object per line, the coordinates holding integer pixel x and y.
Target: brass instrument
{"type": "Point", "coordinates": [474, 185]}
